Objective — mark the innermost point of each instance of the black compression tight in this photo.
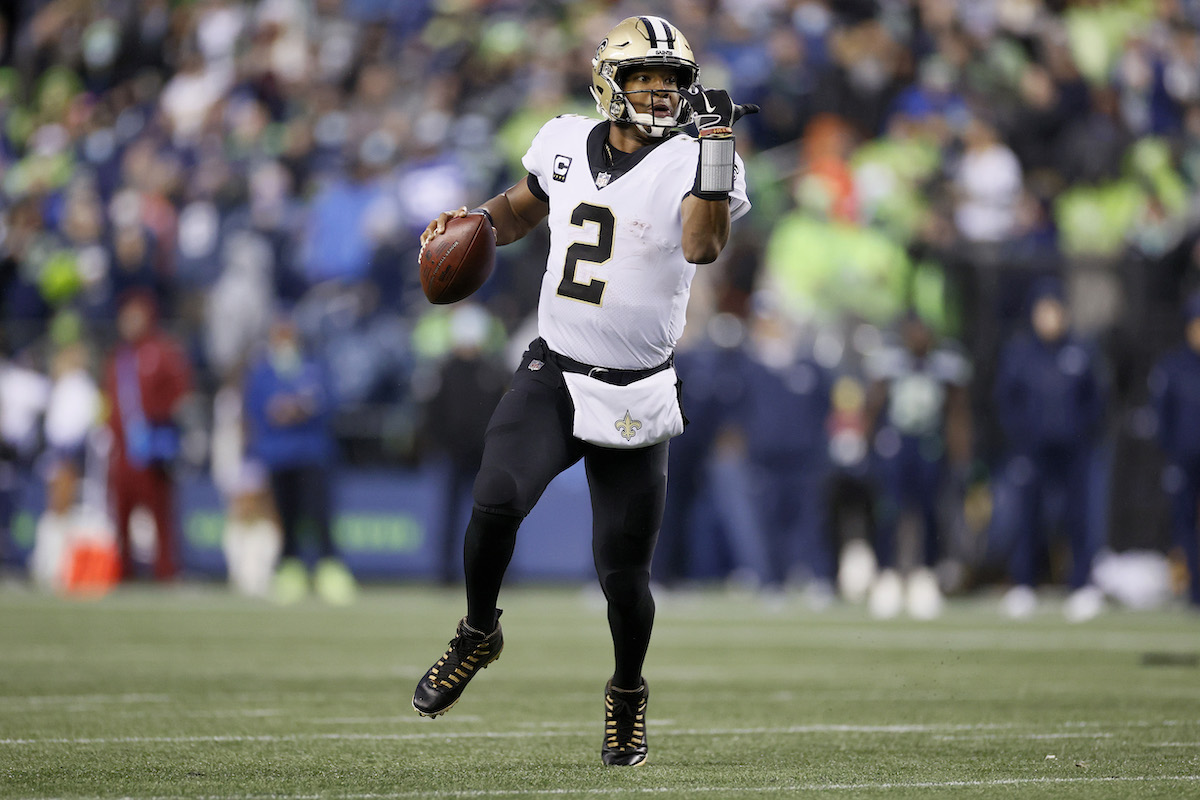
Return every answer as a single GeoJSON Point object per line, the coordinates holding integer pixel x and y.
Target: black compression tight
{"type": "Point", "coordinates": [486, 553]}
{"type": "Point", "coordinates": [524, 451]}
{"type": "Point", "coordinates": [624, 532]}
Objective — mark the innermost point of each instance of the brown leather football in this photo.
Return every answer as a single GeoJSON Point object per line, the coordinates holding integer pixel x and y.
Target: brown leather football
{"type": "Point", "coordinates": [456, 263]}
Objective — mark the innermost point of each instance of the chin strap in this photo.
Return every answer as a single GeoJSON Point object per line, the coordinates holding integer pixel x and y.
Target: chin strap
{"type": "Point", "coordinates": [649, 128]}
{"type": "Point", "coordinates": [657, 131]}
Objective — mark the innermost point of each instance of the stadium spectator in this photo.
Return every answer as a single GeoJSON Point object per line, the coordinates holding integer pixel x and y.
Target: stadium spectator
{"type": "Point", "coordinates": [919, 421]}
{"type": "Point", "coordinates": [24, 393]}
{"type": "Point", "coordinates": [189, 97]}
{"type": "Point", "coordinates": [26, 246]}
{"type": "Point", "coordinates": [251, 540]}
{"type": "Point", "coordinates": [787, 415]}
{"type": "Point", "coordinates": [1175, 389]}
{"type": "Point", "coordinates": [834, 269]}
{"type": "Point", "coordinates": [1050, 396]}
{"type": "Point", "coordinates": [863, 76]}
{"type": "Point", "coordinates": [337, 245]}
{"type": "Point", "coordinates": [74, 404]}
{"type": "Point", "coordinates": [289, 404]}
{"type": "Point", "coordinates": [987, 185]}
{"type": "Point", "coordinates": [146, 382]}
{"type": "Point", "coordinates": [52, 538]}
{"type": "Point", "coordinates": [133, 266]}
{"type": "Point", "coordinates": [708, 462]}
{"type": "Point", "coordinates": [1046, 109]}
{"type": "Point", "coordinates": [74, 512]}
{"type": "Point", "coordinates": [239, 304]}
{"type": "Point", "coordinates": [468, 385]}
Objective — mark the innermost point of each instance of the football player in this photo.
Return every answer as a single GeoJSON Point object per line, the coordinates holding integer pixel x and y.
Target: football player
{"type": "Point", "coordinates": [632, 205]}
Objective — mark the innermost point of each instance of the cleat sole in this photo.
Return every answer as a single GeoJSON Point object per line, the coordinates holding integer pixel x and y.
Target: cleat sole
{"type": "Point", "coordinates": [433, 714]}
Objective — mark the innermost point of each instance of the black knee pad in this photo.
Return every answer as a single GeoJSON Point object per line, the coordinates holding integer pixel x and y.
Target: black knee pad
{"type": "Point", "coordinates": [496, 490]}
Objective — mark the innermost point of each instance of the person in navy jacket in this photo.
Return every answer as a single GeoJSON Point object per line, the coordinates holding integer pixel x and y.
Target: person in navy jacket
{"type": "Point", "coordinates": [920, 420]}
{"type": "Point", "coordinates": [1050, 398]}
{"type": "Point", "coordinates": [709, 457]}
{"type": "Point", "coordinates": [1175, 389]}
{"type": "Point", "coordinates": [289, 405]}
{"type": "Point", "coordinates": [787, 443]}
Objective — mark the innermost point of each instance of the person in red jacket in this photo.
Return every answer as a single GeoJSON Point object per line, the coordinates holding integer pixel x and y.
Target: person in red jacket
{"type": "Point", "coordinates": [146, 379]}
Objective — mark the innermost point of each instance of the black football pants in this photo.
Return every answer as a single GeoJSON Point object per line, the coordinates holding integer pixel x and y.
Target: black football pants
{"type": "Point", "coordinates": [528, 443]}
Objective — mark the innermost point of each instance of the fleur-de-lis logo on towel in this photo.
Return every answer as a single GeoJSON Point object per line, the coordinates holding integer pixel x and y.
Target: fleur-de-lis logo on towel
{"type": "Point", "coordinates": [628, 426]}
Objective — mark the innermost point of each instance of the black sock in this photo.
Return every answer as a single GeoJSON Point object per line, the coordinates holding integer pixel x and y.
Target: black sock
{"type": "Point", "coordinates": [488, 549]}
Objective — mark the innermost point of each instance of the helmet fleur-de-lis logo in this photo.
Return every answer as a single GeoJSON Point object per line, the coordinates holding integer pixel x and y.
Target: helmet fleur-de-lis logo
{"type": "Point", "coordinates": [628, 426]}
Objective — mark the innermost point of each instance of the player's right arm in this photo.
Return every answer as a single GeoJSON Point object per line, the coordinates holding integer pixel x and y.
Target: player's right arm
{"type": "Point", "coordinates": [706, 211]}
{"type": "Point", "coordinates": [513, 213]}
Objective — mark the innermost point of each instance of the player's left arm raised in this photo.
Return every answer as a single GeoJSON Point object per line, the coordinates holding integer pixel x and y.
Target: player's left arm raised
{"type": "Point", "coordinates": [705, 210]}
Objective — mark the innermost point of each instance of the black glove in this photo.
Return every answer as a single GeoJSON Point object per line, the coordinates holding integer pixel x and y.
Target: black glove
{"type": "Point", "coordinates": [714, 110]}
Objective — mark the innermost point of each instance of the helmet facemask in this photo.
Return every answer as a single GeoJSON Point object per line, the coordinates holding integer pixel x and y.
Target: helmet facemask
{"type": "Point", "coordinates": [621, 106]}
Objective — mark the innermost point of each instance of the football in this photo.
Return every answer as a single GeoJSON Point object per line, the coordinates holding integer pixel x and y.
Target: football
{"type": "Point", "coordinates": [456, 263]}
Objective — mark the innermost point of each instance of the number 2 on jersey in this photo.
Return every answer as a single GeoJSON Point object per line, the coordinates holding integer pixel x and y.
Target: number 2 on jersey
{"type": "Point", "coordinates": [597, 253]}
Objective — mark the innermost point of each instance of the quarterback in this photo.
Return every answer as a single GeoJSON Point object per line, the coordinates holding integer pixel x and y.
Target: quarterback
{"type": "Point", "coordinates": [632, 204]}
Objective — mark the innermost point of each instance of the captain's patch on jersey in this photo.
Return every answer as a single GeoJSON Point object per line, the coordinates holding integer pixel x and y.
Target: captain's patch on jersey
{"type": "Point", "coordinates": [561, 165]}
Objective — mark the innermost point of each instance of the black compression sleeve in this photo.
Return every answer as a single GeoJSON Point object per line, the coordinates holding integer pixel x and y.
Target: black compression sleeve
{"type": "Point", "coordinates": [536, 189]}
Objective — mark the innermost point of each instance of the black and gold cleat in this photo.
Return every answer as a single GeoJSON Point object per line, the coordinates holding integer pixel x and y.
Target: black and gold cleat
{"type": "Point", "coordinates": [469, 651]}
{"type": "Point", "coordinates": [625, 726]}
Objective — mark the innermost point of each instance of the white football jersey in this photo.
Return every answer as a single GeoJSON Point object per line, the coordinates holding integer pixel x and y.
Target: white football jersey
{"type": "Point", "coordinates": [616, 285]}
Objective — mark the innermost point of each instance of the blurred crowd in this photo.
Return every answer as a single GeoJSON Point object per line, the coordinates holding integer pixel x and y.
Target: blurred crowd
{"type": "Point", "coordinates": [924, 173]}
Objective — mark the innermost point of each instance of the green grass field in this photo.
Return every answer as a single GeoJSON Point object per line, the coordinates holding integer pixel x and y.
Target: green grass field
{"type": "Point", "coordinates": [192, 692]}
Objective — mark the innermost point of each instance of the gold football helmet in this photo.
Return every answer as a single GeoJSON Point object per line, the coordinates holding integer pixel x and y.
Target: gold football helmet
{"type": "Point", "coordinates": [641, 42]}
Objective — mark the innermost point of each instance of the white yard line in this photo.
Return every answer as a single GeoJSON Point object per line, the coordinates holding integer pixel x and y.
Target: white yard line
{"type": "Point", "coordinates": [996, 730]}
{"type": "Point", "coordinates": [1017, 735]}
{"type": "Point", "coordinates": [403, 719]}
{"type": "Point", "coordinates": [79, 699]}
{"type": "Point", "coordinates": [651, 790]}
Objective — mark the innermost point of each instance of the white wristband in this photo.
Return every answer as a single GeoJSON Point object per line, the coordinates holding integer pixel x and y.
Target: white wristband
{"type": "Point", "coordinates": [714, 175]}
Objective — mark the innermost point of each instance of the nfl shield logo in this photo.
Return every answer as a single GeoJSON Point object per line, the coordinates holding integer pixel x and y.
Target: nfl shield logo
{"type": "Point", "coordinates": [602, 180]}
{"type": "Point", "coordinates": [535, 365]}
